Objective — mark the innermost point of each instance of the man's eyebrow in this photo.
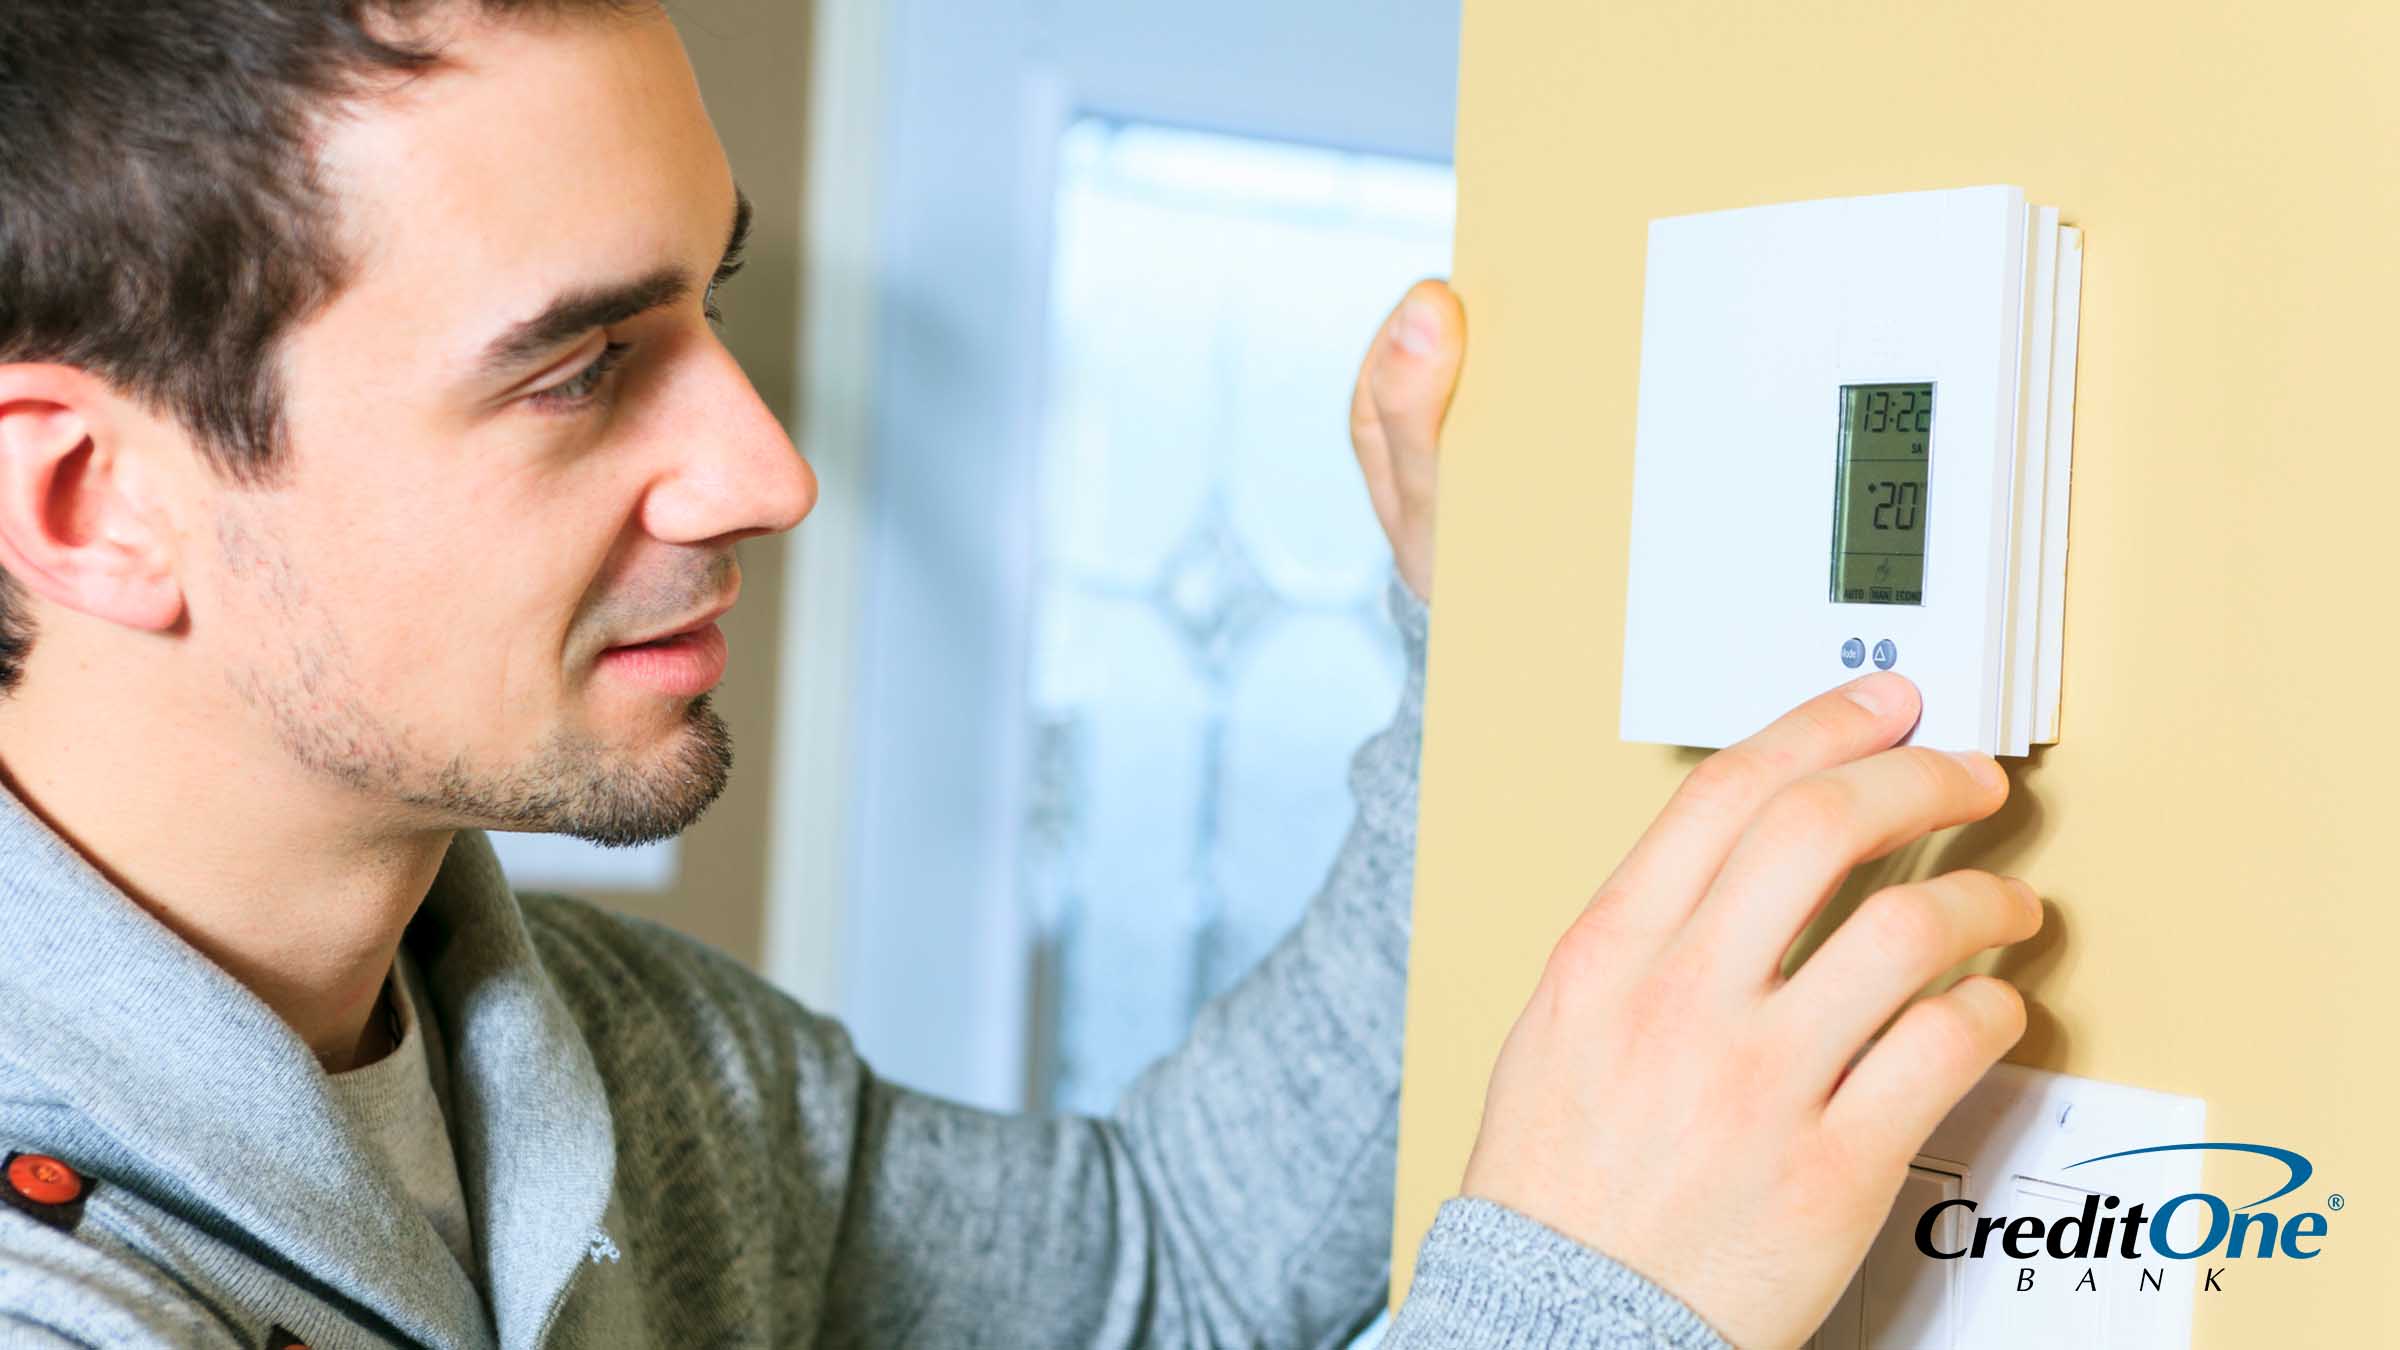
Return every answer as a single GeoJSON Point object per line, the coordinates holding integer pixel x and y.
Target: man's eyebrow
{"type": "Point", "coordinates": [577, 312]}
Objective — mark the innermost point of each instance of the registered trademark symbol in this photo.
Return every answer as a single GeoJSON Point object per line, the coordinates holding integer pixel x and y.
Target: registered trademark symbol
{"type": "Point", "coordinates": [2335, 1201]}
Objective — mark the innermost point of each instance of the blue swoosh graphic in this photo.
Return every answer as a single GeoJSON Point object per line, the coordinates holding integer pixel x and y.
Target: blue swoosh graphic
{"type": "Point", "coordinates": [2301, 1169]}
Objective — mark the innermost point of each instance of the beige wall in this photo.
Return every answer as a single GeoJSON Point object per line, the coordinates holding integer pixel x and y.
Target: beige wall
{"type": "Point", "coordinates": [2212, 830]}
{"type": "Point", "coordinates": [751, 56]}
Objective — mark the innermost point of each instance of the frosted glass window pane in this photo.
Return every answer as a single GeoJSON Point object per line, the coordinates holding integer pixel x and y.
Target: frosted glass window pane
{"type": "Point", "coordinates": [1210, 643]}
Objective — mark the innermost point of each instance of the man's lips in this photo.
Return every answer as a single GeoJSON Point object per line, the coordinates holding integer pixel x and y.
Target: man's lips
{"type": "Point", "coordinates": [680, 666]}
{"type": "Point", "coordinates": [680, 662]}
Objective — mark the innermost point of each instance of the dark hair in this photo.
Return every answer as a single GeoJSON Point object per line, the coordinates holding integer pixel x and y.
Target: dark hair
{"type": "Point", "coordinates": [162, 221]}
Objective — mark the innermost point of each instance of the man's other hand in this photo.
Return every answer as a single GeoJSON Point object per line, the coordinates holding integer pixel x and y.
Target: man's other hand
{"type": "Point", "coordinates": [1668, 1098]}
{"type": "Point", "coordinates": [1396, 411]}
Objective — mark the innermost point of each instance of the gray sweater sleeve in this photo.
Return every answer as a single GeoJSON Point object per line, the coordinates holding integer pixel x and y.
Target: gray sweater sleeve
{"type": "Point", "coordinates": [1489, 1276]}
{"type": "Point", "coordinates": [1242, 1193]}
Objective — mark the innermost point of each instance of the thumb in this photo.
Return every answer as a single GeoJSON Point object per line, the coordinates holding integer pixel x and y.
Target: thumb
{"type": "Point", "coordinates": [1414, 368]}
{"type": "Point", "coordinates": [1410, 378]}
{"type": "Point", "coordinates": [1396, 413]}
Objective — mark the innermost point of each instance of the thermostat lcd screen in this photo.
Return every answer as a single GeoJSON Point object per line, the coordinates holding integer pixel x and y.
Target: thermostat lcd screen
{"type": "Point", "coordinates": [1879, 494]}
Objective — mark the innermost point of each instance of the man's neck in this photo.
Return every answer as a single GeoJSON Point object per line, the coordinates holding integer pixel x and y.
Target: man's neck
{"type": "Point", "coordinates": [276, 877]}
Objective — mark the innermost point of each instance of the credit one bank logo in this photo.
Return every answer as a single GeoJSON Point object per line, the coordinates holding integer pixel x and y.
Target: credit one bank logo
{"type": "Point", "coordinates": [2107, 1227]}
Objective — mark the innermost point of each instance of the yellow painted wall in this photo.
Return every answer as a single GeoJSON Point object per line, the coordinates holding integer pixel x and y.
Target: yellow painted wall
{"type": "Point", "coordinates": [2215, 830]}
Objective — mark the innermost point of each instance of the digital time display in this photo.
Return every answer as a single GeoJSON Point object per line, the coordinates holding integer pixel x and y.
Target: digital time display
{"type": "Point", "coordinates": [1879, 494]}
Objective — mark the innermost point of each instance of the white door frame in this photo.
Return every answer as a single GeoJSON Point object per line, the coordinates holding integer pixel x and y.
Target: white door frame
{"type": "Point", "coordinates": [807, 850]}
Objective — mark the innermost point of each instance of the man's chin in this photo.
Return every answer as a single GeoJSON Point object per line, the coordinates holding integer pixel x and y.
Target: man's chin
{"type": "Point", "coordinates": [613, 797]}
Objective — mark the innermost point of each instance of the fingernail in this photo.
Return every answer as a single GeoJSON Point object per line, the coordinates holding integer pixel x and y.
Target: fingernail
{"type": "Point", "coordinates": [1986, 770]}
{"type": "Point", "coordinates": [1418, 330]}
{"type": "Point", "coordinates": [1869, 694]}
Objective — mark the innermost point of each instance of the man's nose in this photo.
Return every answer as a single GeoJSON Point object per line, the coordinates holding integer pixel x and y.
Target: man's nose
{"type": "Point", "coordinates": [735, 471]}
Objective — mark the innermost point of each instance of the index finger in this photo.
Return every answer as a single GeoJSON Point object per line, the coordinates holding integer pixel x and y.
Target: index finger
{"type": "Point", "coordinates": [1659, 883]}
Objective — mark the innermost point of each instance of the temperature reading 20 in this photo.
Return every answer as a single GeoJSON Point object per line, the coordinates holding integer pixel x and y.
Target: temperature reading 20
{"type": "Point", "coordinates": [1882, 464]}
{"type": "Point", "coordinates": [1898, 509]}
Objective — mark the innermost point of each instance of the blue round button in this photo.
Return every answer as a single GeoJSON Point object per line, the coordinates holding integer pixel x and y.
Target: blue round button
{"type": "Point", "coordinates": [1886, 654]}
{"type": "Point", "coordinates": [1854, 653]}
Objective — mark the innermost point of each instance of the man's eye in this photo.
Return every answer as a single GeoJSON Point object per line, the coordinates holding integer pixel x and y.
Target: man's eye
{"type": "Point", "coordinates": [585, 388]}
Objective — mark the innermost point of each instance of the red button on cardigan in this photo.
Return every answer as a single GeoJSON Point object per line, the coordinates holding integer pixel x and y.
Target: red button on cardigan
{"type": "Point", "coordinates": [43, 1180]}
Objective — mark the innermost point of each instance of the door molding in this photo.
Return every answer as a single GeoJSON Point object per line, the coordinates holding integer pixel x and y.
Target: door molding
{"type": "Point", "coordinates": [809, 838]}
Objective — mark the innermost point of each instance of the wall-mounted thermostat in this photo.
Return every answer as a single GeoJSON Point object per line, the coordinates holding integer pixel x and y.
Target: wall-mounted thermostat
{"type": "Point", "coordinates": [1852, 453]}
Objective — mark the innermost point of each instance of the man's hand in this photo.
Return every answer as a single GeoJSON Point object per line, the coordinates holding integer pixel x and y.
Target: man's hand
{"type": "Point", "coordinates": [1396, 412]}
{"type": "Point", "coordinates": [1669, 1099]}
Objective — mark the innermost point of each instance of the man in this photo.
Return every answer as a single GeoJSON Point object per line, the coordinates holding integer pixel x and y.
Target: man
{"type": "Point", "coordinates": [371, 477]}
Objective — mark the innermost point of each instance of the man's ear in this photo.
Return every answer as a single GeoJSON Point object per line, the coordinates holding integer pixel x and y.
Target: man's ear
{"type": "Point", "coordinates": [80, 520]}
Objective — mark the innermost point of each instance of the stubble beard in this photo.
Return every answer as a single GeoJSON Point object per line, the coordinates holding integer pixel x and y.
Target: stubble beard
{"type": "Point", "coordinates": [573, 784]}
{"type": "Point", "coordinates": [578, 787]}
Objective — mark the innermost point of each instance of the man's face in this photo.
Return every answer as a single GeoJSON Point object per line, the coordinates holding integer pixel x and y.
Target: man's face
{"type": "Point", "coordinates": [476, 514]}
